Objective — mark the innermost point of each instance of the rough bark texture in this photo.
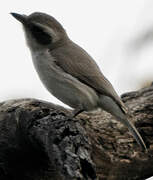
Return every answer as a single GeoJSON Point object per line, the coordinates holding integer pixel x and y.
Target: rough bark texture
{"type": "Point", "coordinates": [39, 141]}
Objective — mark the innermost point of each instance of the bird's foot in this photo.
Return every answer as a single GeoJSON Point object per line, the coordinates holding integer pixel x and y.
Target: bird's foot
{"type": "Point", "coordinates": [76, 112]}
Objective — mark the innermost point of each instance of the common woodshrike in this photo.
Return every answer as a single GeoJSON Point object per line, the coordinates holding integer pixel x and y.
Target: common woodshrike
{"type": "Point", "coordinates": [69, 72]}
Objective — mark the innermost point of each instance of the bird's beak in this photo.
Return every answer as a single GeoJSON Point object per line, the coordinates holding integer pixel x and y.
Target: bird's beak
{"type": "Point", "coordinates": [19, 17]}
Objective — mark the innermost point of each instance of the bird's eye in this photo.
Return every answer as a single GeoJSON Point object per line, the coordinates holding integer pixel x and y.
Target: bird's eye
{"type": "Point", "coordinates": [40, 35]}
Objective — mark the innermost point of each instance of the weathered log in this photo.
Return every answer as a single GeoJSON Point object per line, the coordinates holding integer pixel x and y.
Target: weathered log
{"type": "Point", "coordinates": [40, 141]}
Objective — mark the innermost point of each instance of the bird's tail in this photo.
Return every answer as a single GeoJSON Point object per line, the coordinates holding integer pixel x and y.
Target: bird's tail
{"type": "Point", "coordinates": [109, 105]}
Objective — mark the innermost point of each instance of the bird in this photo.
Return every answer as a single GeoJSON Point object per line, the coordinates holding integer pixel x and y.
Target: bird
{"type": "Point", "coordinates": [68, 72]}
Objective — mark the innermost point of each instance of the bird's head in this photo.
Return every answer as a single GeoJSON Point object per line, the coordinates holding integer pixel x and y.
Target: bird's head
{"type": "Point", "coordinates": [42, 31]}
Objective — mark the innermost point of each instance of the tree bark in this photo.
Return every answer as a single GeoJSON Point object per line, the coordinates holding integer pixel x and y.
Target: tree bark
{"type": "Point", "coordinates": [40, 141]}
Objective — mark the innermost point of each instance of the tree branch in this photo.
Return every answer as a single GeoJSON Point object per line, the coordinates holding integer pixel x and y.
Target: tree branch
{"type": "Point", "coordinates": [39, 140]}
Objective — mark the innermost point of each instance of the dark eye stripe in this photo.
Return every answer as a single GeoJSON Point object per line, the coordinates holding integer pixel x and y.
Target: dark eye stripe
{"type": "Point", "coordinates": [41, 36]}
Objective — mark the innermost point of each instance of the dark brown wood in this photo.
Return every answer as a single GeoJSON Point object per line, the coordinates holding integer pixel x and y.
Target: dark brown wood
{"type": "Point", "coordinates": [40, 141]}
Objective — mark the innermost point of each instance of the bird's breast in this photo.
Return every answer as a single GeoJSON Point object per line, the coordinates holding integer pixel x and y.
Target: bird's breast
{"type": "Point", "coordinates": [45, 67]}
{"type": "Point", "coordinates": [65, 87]}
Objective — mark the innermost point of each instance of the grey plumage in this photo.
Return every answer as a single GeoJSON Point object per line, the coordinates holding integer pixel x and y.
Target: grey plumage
{"type": "Point", "coordinates": [69, 72]}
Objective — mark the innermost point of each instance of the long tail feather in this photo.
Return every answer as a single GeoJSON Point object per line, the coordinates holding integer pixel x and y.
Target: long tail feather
{"type": "Point", "coordinates": [134, 132]}
{"type": "Point", "coordinates": [109, 105]}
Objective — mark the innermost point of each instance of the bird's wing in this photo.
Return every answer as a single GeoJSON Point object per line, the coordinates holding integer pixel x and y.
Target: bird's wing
{"type": "Point", "coordinates": [75, 61]}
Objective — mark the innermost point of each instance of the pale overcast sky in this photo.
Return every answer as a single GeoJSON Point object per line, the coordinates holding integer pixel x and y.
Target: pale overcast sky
{"type": "Point", "coordinates": [104, 28]}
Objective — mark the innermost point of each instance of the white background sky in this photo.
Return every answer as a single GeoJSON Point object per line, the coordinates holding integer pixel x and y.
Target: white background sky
{"type": "Point", "coordinates": [105, 28]}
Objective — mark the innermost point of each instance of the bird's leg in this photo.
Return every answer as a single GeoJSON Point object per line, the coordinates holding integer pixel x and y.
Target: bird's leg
{"type": "Point", "coordinates": [77, 111]}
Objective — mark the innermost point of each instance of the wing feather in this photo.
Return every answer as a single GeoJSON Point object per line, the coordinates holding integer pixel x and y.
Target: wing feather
{"type": "Point", "coordinates": [75, 61]}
